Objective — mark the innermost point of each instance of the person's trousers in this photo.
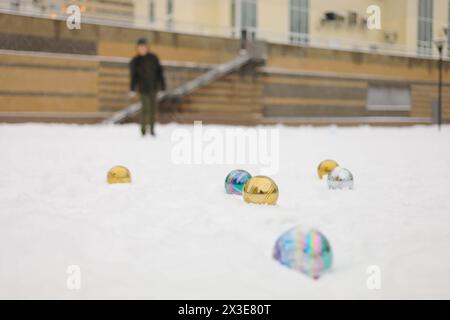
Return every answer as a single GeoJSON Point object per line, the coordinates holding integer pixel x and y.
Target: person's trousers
{"type": "Point", "coordinates": [148, 101]}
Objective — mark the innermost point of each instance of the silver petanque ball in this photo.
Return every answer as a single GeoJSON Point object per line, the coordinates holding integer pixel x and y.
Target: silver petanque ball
{"type": "Point", "coordinates": [340, 178]}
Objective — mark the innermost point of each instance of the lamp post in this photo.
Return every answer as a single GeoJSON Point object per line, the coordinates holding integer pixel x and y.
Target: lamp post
{"type": "Point", "coordinates": [439, 42]}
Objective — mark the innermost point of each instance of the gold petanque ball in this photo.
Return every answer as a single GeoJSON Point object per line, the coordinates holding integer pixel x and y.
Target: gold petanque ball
{"type": "Point", "coordinates": [261, 190]}
{"type": "Point", "coordinates": [119, 174]}
{"type": "Point", "coordinates": [325, 167]}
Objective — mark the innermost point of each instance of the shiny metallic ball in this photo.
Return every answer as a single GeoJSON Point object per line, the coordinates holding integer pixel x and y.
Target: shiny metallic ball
{"type": "Point", "coordinates": [261, 190]}
{"type": "Point", "coordinates": [340, 178]}
{"type": "Point", "coordinates": [306, 251]}
{"type": "Point", "coordinates": [119, 174]}
{"type": "Point", "coordinates": [236, 180]}
{"type": "Point", "coordinates": [325, 167]}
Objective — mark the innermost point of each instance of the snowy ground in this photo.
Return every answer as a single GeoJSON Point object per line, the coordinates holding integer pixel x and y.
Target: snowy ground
{"type": "Point", "coordinates": [174, 233]}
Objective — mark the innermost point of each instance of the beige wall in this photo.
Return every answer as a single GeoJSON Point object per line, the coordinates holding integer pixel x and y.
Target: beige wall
{"type": "Point", "coordinates": [214, 17]}
{"type": "Point", "coordinates": [440, 18]}
{"type": "Point", "coordinates": [411, 24]}
{"type": "Point", "coordinates": [273, 18]}
{"type": "Point", "coordinates": [396, 17]}
{"type": "Point", "coordinates": [195, 16]}
{"type": "Point", "coordinates": [342, 31]}
{"type": "Point", "coordinates": [141, 11]}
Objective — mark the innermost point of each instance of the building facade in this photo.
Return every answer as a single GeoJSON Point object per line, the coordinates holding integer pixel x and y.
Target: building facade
{"type": "Point", "coordinates": [83, 73]}
{"type": "Point", "coordinates": [120, 10]}
{"type": "Point", "coordinates": [405, 26]}
{"type": "Point", "coordinates": [385, 26]}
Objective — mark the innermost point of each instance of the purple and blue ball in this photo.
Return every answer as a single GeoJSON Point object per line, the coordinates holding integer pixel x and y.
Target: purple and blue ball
{"type": "Point", "coordinates": [307, 252]}
{"type": "Point", "coordinates": [235, 181]}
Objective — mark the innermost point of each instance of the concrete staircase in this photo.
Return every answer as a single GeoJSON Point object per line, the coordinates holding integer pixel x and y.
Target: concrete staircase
{"type": "Point", "coordinates": [173, 98]}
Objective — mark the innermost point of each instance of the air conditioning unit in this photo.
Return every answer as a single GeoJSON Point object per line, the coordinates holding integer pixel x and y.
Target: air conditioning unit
{"type": "Point", "coordinates": [352, 18]}
{"type": "Point", "coordinates": [363, 23]}
{"type": "Point", "coordinates": [330, 16]}
{"type": "Point", "coordinates": [390, 37]}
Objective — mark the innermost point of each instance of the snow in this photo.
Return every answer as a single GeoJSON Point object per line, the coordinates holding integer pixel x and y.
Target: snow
{"type": "Point", "coordinates": [174, 233]}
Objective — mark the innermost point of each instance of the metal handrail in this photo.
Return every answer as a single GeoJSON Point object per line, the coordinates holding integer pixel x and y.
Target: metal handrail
{"type": "Point", "coordinates": [185, 88]}
{"type": "Point", "coordinates": [182, 27]}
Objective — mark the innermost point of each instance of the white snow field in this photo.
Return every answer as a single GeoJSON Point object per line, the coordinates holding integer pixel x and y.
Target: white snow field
{"type": "Point", "coordinates": [174, 233]}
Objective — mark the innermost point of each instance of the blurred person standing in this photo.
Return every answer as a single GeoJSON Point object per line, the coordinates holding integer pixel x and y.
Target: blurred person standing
{"type": "Point", "coordinates": [147, 77]}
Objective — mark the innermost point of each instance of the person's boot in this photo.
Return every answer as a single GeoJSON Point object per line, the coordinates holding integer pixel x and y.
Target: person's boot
{"type": "Point", "coordinates": [143, 131]}
{"type": "Point", "coordinates": [152, 132]}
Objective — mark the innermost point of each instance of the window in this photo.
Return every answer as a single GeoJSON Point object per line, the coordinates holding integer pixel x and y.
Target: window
{"type": "Point", "coordinates": [15, 4]}
{"type": "Point", "coordinates": [169, 7]}
{"type": "Point", "coordinates": [169, 11]}
{"type": "Point", "coordinates": [299, 21]}
{"type": "Point", "coordinates": [248, 18]}
{"type": "Point", "coordinates": [448, 30]}
{"type": "Point", "coordinates": [425, 27]}
{"type": "Point", "coordinates": [388, 98]}
{"type": "Point", "coordinates": [233, 13]}
{"type": "Point", "coordinates": [244, 17]}
{"type": "Point", "coordinates": [152, 11]}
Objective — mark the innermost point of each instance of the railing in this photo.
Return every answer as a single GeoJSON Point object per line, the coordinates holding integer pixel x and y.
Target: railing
{"type": "Point", "coordinates": [182, 27]}
{"type": "Point", "coordinates": [188, 87]}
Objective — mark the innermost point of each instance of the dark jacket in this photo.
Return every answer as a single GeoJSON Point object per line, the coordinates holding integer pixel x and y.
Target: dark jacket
{"type": "Point", "coordinates": [146, 74]}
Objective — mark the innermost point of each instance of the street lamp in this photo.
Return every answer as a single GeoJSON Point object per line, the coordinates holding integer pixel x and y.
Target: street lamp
{"type": "Point", "coordinates": [439, 42]}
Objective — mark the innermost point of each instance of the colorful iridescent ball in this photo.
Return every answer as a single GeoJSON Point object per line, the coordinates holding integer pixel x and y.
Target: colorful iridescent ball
{"type": "Point", "coordinates": [340, 178]}
{"type": "Point", "coordinates": [236, 180]}
{"type": "Point", "coordinates": [307, 252]}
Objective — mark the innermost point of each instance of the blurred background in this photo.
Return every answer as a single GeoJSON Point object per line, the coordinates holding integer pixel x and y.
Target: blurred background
{"type": "Point", "coordinates": [249, 62]}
